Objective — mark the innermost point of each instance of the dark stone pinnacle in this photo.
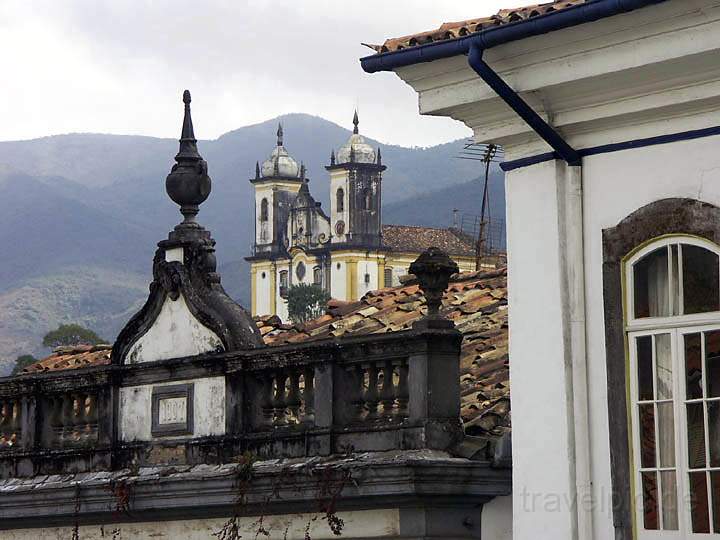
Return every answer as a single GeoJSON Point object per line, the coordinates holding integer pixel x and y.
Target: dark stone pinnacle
{"type": "Point", "coordinates": [188, 183]}
{"type": "Point", "coordinates": [433, 269]}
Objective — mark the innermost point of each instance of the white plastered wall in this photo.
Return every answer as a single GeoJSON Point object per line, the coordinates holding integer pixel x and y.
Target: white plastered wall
{"type": "Point", "coordinates": [497, 519]}
{"type": "Point", "coordinates": [263, 289]}
{"type": "Point", "coordinates": [338, 279]}
{"type": "Point", "coordinates": [260, 194]}
{"type": "Point", "coordinates": [208, 409]}
{"type": "Point", "coordinates": [174, 334]}
{"type": "Point", "coordinates": [369, 267]}
{"type": "Point", "coordinates": [356, 524]}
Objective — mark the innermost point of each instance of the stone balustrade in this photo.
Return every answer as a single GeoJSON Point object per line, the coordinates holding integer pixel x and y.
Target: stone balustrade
{"type": "Point", "coordinates": [371, 393]}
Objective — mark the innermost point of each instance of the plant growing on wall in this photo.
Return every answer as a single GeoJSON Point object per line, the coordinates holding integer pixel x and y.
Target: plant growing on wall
{"type": "Point", "coordinates": [71, 334]}
{"type": "Point", "coordinates": [306, 302]}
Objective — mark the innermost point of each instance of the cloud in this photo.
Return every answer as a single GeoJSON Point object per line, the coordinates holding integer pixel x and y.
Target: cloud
{"type": "Point", "coordinates": [120, 67]}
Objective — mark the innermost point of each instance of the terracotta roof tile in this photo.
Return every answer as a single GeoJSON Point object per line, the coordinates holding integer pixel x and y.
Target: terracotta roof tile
{"type": "Point", "coordinates": [74, 357]}
{"type": "Point", "coordinates": [454, 30]}
{"type": "Point", "coordinates": [406, 238]}
{"type": "Point", "coordinates": [477, 302]}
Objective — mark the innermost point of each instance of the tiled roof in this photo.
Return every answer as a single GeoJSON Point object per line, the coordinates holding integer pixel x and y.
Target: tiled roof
{"type": "Point", "coordinates": [74, 357]}
{"type": "Point", "coordinates": [476, 302]}
{"type": "Point", "coordinates": [417, 239]}
{"type": "Point", "coordinates": [454, 30]}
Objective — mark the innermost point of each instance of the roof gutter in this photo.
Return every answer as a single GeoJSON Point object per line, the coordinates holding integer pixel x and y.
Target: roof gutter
{"type": "Point", "coordinates": [475, 45]}
{"type": "Point", "coordinates": [591, 11]}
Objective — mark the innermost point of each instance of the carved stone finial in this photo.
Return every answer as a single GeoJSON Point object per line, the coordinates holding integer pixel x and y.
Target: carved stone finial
{"type": "Point", "coordinates": [302, 170]}
{"type": "Point", "coordinates": [332, 157]}
{"type": "Point", "coordinates": [188, 183]}
{"type": "Point", "coordinates": [257, 170]}
{"type": "Point", "coordinates": [355, 123]}
{"type": "Point", "coordinates": [379, 157]}
{"type": "Point", "coordinates": [280, 135]}
{"type": "Point", "coordinates": [433, 269]}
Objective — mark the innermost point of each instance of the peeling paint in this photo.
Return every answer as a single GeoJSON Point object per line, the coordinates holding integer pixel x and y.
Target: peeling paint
{"type": "Point", "coordinates": [175, 333]}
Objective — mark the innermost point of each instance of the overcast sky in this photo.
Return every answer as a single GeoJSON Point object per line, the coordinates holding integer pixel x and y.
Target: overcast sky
{"type": "Point", "coordinates": [119, 66]}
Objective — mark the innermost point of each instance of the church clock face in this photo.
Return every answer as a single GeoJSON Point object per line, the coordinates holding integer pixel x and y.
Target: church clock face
{"type": "Point", "coordinates": [340, 228]}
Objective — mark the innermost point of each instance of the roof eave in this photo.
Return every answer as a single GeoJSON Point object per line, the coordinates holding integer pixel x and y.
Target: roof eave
{"type": "Point", "coordinates": [492, 37]}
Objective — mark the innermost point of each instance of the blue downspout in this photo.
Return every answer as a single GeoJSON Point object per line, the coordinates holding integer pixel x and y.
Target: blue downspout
{"type": "Point", "coordinates": [475, 45]}
{"type": "Point", "coordinates": [523, 110]}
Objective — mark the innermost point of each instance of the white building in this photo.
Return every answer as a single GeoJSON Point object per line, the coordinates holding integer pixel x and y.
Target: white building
{"type": "Point", "coordinates": [609, 114]}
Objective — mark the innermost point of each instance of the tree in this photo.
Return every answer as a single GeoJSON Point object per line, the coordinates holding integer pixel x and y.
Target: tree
{"type": "Point", "coordinates": [306, 302]}
{"type": "Point", "coordinates": [71, 334]}
{"type": "Point", "coordinates": [22, 362]}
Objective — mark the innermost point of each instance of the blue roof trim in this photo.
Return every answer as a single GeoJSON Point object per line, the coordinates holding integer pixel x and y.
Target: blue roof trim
{"type": "Point", "coordinates": [492, 37]}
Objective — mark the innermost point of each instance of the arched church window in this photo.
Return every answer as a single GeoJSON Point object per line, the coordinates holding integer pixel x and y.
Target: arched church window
{"type": "Point", "coordinates": [340, 200]}
{"type": "Point", "coordinates": [367, 198]}
{"type": "Point", "coordinates": [264, 210]}
{"type": "Point", "coordinates": [283, 283]}
{"type": "Point", "coordinates": [317, 276]}
{"type": "Point", "coordinates": [673, 333]}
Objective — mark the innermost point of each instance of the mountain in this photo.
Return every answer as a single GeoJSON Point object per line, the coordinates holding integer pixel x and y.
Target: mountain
{"type": "Point", "coordinates": [80, 215]}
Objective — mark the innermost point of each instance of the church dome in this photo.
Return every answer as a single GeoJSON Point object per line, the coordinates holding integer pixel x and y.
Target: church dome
{"type": "Point", "coordinates": [356, 150]}
{"type": "Point", "coordinates": [280, 163]}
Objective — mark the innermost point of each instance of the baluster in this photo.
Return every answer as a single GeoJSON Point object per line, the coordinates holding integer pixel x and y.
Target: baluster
{"type": "Point", "coordinates": [279, 401]}
{"type": "Point", "coordinates": [356, 374]}
{"type": "Point", "coordinates": [55, 412]}
{"type": "Point", "coordinates": [293, 396]}
{"type": "Point", "coordinates": [371, 397]}
{"type": "Point", "coordinates": [15, 421]}
{"type": "Point", "coordinates": [91, 416]}
{"type": "Point", "coordinates": [4, 424]}
{"type": "Point", "coordinates": [387, 393]}
{"type": "Point", "coordinates": [67, 424]}
{"type": "Point", "coordinates": [402, 389]}
{"type": "Point", "coordinates": [79, 422]}
{"type": "Point", "coordinates": [309, 395]}
{"type": "Point", "coordinates": [266, 403]}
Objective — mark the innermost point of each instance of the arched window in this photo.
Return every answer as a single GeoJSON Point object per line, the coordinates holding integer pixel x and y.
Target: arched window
{"type": "Point", "coordinates": [673, 336]}
{"type": "Point", "coordinates": [340, 200]}
{"type": "Point", "coordinates": [317, 275]}
{"type": "Point", "coordinates": [367, 199]}
{"type": "Point", "coordinates": [264, 210]}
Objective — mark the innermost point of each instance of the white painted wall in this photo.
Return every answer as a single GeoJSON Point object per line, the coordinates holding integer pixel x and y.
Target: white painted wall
{"type": "Point", "coordinates": [263, 291]}
{"type": "Point", "coordinates": [357, 524]}
{"type": "Point", "coordinates": [497, 519]}
{"type": "Point", "coordinates": [175, 333]}
{"type": "Point", "coordinates": [338, 280]}
{"type": "Point", "coordinates": [208, 409]}
{"type": "Point", "coordinates": [367, 267]}
{"type": "Point", "coordinates": [541, 455]}
{"type": "Point", "coordinates": [338, 179]}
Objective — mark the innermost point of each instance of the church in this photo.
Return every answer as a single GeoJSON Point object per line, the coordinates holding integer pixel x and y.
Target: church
{"type": "Point", "coordinates": [348, 253]}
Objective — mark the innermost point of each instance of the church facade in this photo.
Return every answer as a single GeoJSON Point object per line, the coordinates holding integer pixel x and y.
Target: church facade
{"type": "Point", "coordinates": [348, 252]}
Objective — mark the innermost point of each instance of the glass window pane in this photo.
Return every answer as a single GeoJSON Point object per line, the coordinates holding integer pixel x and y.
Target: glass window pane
{"type": "Point", "coordinates": [693, 366]}
{"type": "Point", "coordinates": [713, 412]}
{"type": "Point", "coordinates": [645, 368]}
{"type": "Point", "coordinates": [669, 500]}
{"type": "Point", "coordinates": [701, 285]}
{"type": "Point", "coordinates": [650, 497]}
{"type": "Point", "coordinates": [712, 363]}
{"type": "Point", "coordinates": [647, 435]}
{"type": "Point", "coordinates": [663, 362]}
{"type": "Point", "coordinates": [699, 503]}
{"type": "Point", "coordinates": [652, 298]}
{"type": "Point", "coordinates": [696, 435]}
{"type": "Point", "coordinates": [715, 487]}
{"type": "Point", "coordinates": [666, 435]}
{"type": "Point", "coordinates": [675, 280]}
